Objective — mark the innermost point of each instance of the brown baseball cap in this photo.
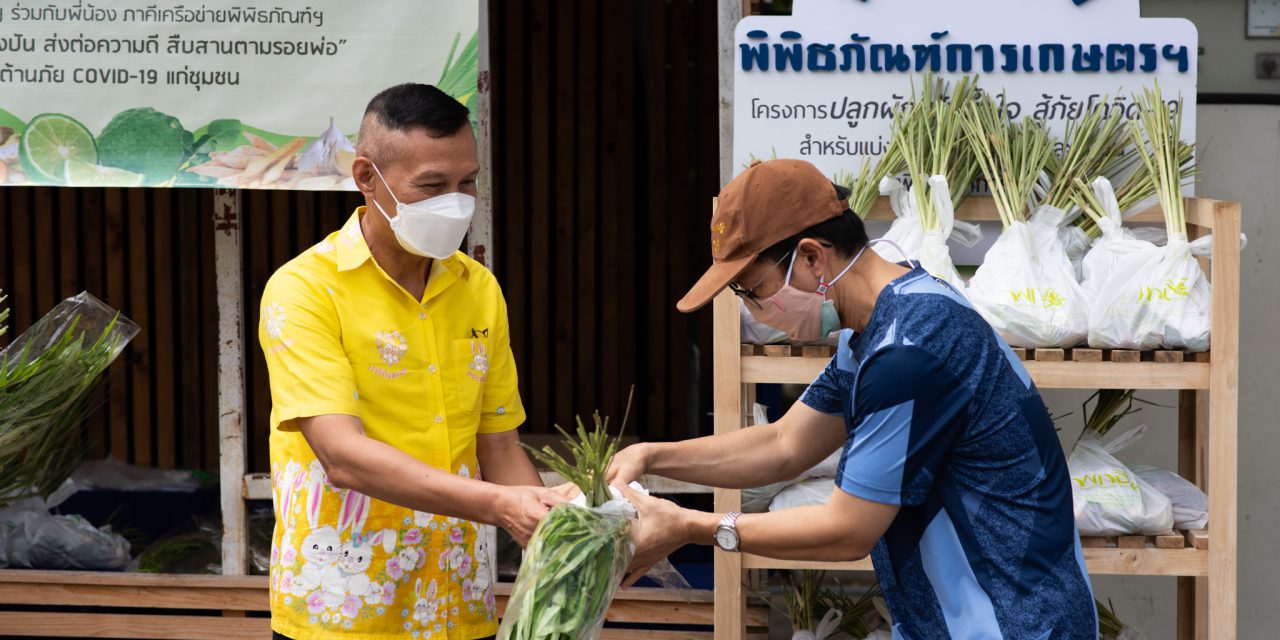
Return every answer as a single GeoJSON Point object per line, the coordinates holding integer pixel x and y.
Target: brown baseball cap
{"type": "Point", "coordinates": [766, 204]}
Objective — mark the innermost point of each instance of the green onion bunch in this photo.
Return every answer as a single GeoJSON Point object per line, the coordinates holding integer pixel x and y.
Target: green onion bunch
{"type": "Point", "coordinates": [50, 379]}
{"type": "Point", "coordinates": [578, 556]}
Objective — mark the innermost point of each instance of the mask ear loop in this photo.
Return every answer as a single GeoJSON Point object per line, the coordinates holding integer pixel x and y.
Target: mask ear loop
{"type": "Point", "coordinates": [388, 186]}
{"type": "Point", "coordinates": [909, 261]}
{"type": "Point", "coordinates": [823, 285]}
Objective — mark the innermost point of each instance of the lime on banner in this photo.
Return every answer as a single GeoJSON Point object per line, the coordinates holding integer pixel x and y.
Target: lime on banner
{"type": "Point", "coordinates": [49, 141]}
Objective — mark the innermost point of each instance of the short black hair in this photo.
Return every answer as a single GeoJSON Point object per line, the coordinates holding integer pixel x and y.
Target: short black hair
{"type": "Point", "coordinates": [410, 105]}
{"type": "Point", "coordinates": [845, 232]}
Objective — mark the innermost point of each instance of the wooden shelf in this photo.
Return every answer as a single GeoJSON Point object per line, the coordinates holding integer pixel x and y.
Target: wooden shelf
{"type": "Point", "coordinates": [1064, 369]}
{"type": "Point", "coordinates": [1207, 429]}
{"type": "Point", "coordinates": [1130, 556]}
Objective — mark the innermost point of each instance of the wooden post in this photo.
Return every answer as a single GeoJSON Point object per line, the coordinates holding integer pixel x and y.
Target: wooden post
{"type": "Point", "coordinates": [231, 398]}
{"type": "Point", "coordinates": [1223, 413]}
{"type": "Point", "coordinates": [727, 356]}
{"type": "Point", "coordinates": [480, 237]}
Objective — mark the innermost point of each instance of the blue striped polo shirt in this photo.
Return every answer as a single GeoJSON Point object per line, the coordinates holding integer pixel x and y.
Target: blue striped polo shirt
{"type": "Point", "coordinates": [944, 421]}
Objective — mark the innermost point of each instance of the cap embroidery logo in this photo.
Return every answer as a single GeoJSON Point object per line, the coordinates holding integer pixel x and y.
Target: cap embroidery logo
{"type": "Point", "coordinates": [715, 242]}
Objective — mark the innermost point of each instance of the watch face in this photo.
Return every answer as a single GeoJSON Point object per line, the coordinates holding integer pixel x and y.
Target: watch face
{"type": "Point", "coordinates": [727, 539]}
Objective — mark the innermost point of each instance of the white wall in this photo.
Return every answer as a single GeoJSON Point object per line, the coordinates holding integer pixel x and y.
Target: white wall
{"type": "Point", "coordinates": [1228, 60]}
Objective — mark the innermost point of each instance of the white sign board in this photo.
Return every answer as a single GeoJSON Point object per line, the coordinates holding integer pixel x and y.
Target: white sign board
{"type": "Point", "coordinates": [821, 84]}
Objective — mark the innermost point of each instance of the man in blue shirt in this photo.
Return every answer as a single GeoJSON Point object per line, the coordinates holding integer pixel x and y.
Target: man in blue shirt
{"type": "Point", "coordinates": [951, 475]}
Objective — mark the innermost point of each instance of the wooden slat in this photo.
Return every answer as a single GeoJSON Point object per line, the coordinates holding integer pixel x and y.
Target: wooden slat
{"type": "Point", "coordinates": [1197, 538]}
{"type": "Point", "coordinates": [190, 376]}
{"type": "Point", "coordinates": [1021, 353]}
{"type": "Point", "coordinates": [511, 202]}
{"type": "Point", "coordinates": [1086, 355]}
{"type": "Point", "coordinates": [675, 64]}
{"type": "Point", "coordinates": [541, 366]}
{"type": "Point", "coordinates": [1125, 355]}
{"type": "Point", "coordinates": [1050, 355]}
{"type": "Point", "coordinates": [106, 625]}
{"type": "Point", "coordinates": [562, 263]}
{"type": "Point", "coordinates": [1168, 356]}
{"type": "Point", "coordinates": [117, 297]}
{"type": "Point", "coordinates": [777, 350]}
{"type": "Point", "coordinates": [588, 202]}
{"type": "Point", "coordinates": [820, 351]}
{"type": "Point", "coordinates": [1099, 561]}
{"type": "Point", "coordinates": [46, 249]}
{"type": "Point", "coordinates": [1131, 542]}
{"type": "Point", "coordinates": [748, 349]}
{"type": "Point", "coordinates": [1065, 375]}
{"type": "Point", "coordinates": [139, 310]}
{"type": "Point", "coordinates": [21, 302]}
{"type": "Point", "coordinates": [1094, 542]}
{"type": "Point", "coordinates": [161, 250]}
{"type": "Point", "coordinates": [1171, 541]}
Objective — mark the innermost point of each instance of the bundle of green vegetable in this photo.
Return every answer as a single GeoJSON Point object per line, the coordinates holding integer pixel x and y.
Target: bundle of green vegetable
{"type": "Point", "coordinates": [1158, 297]}
{"type": "Point", "coordinates": [929, 136]}
{"type": "Point", "coordinates": [1110, 627]}
{"type": "Point", "coordinates": [1109, 407]}
{"type": "Point", "coordinates": [817, 610]}
{"type": "Point", "coordinates": [578, 556]}
{"type": "Point", "coordinates": [49, 381]}
{"type": "Point", "coordinates": [1027, 287]}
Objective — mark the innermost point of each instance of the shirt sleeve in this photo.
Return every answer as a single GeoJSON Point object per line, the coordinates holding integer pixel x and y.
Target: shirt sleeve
{"type": "Point", "coordinates": [830, 392]}
{"type": "Point", "coordinates": [501, 408]}
{"type": "Point", "coordinates": [308, 370]}
{"type": "Point", "coordinates": [910, 410]}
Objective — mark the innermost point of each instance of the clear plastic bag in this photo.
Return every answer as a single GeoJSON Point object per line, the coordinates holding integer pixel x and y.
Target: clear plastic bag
{"type": "Point", "coordinates": [1026, 287]}
{"type": "Point", "coordinates": [1114, 245]}
{"type": "Point", "coordinates": [32, 538]}
{"type": "Point", "coordinates": [827, 627]}
{"type": "Point", "coordinates": [1108, 497]}
{"type": "Point", "coordinates": [574, 564]}
{"type": "Point", "coordinates": [758, 499]}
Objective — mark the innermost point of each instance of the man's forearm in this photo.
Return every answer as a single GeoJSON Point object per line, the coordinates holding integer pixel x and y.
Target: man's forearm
{"type": "Point", "coordinates": [503, 461]}
{"type": "Point", "coordinates": [381, 471]}
{"type": "Point", "coordinates": [747, 458]}
{"type": "Point", "coordinates": [776, 535]}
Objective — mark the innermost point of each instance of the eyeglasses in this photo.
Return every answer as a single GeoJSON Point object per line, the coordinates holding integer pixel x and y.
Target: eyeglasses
{"type": "Point", "coordinates": [749, 294]}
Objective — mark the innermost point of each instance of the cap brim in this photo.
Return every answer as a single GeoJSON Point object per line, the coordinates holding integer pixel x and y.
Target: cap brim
{"type": "Point", "coordinates": [713, 282]}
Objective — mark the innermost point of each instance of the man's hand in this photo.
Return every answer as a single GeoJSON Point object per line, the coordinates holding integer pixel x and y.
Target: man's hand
{"type": "Point", "coordinates": [629, 464]}
{"type": "Point", "coordinates": [520, 509]}
{"type": "Point", "coordinates": [662, 528]}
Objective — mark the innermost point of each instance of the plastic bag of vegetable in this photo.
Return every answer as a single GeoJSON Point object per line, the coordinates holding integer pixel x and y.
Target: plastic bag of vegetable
{"type": "Point", "coordinates": [579, 553]}
{"type": "Point", "coordinates": [48, 384]}
{"type": "Point", "coordinates": [1109, 498]}
{"type": "Point", "coordinates": [1190, 504]}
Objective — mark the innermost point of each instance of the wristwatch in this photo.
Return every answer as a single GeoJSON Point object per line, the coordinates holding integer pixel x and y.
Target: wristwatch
{"type": "Point", "coordinates": [727, 532]}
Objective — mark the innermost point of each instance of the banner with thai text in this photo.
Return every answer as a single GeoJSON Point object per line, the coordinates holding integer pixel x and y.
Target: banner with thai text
{"type": "Point", "coordinates": [220, 93]}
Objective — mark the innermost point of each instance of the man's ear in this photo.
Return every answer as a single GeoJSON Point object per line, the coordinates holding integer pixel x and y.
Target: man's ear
{"type": "Point", "coordinates": [364, 176]}
{"type": "Point", "coordinates": [811, 255]}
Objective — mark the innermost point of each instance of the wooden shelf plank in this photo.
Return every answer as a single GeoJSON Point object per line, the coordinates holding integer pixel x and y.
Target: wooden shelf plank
{"type": "Point", "coordinates": [1046, 374]}
{"type": "Point", "coordinates": [1100, 561]}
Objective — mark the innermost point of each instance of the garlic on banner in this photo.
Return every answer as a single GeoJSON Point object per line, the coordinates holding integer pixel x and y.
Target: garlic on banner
{"type": "Point", "coordinates": [321, 157]}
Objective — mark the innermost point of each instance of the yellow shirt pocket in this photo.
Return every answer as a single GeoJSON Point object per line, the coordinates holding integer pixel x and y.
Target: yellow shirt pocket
{"type": "Point", "coordinates": [471, 368]}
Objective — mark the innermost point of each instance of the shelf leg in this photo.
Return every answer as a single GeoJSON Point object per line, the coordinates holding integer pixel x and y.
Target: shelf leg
{"type": "Point", "coordinates": [1222, 472]}
{"type": "Point", "coordinates": [1192, 416]}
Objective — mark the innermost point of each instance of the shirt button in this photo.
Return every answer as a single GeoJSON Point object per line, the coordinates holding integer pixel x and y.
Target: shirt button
{"type": "Point", "coordinates": [439, 419]}
{"type": "Point", "coordinates": [431, 368]}
{"type": "Point", "coordinates": [422, 316]}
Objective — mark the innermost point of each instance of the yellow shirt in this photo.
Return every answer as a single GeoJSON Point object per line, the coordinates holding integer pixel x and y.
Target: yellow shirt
{"type": "Point", "coordinates": [341, 337]}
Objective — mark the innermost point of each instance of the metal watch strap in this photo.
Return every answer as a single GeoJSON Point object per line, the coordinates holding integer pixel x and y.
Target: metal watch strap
{"type": "Point", "coordinates": [730, 522]}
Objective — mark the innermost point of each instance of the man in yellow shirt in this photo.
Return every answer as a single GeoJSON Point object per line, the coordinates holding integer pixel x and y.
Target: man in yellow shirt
{"type": "Point", "coordinates": [393, 390]}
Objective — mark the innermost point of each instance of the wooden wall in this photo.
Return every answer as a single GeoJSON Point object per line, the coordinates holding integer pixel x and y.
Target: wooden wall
{"type": "Point", "coordinates": [605, 161]}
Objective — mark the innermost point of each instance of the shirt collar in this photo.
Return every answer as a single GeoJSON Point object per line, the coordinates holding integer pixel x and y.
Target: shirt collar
{"type": "Point", "coordinates": [353, 252]}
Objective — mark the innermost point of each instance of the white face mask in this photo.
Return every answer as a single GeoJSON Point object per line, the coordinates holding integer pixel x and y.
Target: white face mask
{"type": "Point", "coordinates": [431, 228]}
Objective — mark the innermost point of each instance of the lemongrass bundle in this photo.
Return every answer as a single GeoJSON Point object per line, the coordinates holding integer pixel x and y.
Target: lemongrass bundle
{"type": "Point", "coordinates": [1157, 136]}
{"type": "Point", "coordinates": [865, 185]}
{"type": "Point", "coordinates": [1011, 155]}
{"type": "Point", "coordinates": [1092, 146]}
{"type": "Point", "coordinates": [4, 315]}
{"type": "Point", "coordinates": [930, 138]}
